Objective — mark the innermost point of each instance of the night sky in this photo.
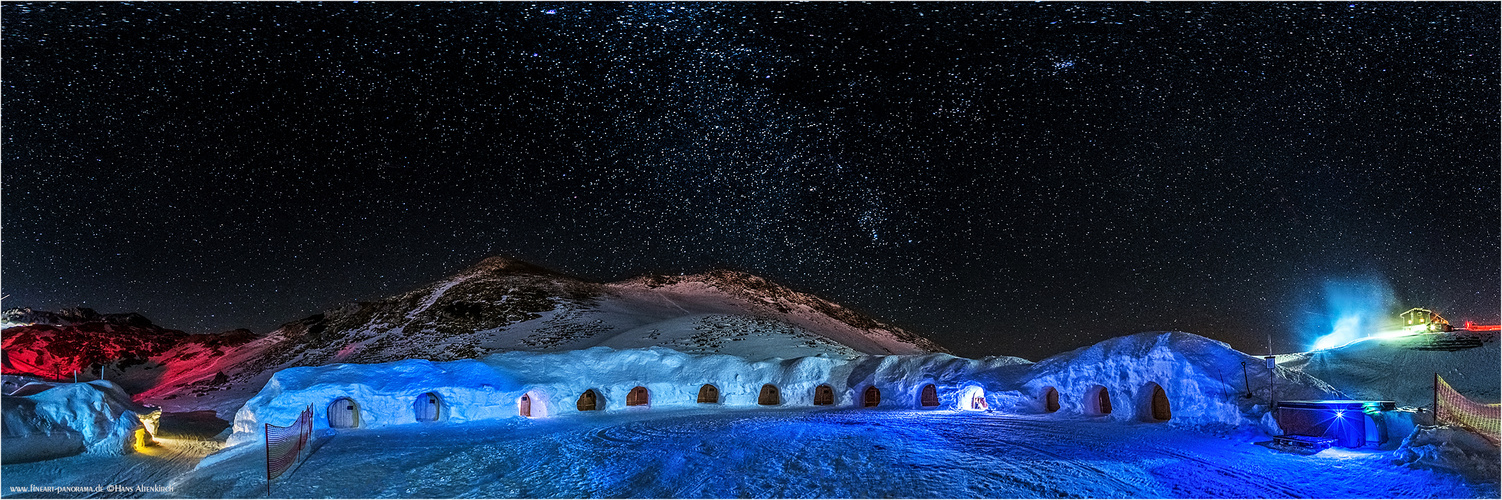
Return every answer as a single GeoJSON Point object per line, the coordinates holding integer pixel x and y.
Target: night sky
{"type": "Point", "coordinates": [1004, 178]}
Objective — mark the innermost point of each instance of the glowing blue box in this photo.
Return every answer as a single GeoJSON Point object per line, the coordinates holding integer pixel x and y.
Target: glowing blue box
{"type": "Point", "coordinates": [1353, 424]}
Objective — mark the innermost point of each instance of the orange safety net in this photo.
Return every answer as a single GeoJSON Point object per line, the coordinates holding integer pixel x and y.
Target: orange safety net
{"type": "Point", "coordinates": [284, 445]}
{"type": "Point", "coordinates": [1451, 408]}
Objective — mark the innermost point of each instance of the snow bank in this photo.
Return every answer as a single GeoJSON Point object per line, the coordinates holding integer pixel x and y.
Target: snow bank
{"type": "Point", "coordinates": [91, 417]}
{"type": "Point", "coordinates": [1201, 378]}
{"type": "Point", "coordinates": [492, 388]}
{"type": "Point", "coordinates": [1446, 448]}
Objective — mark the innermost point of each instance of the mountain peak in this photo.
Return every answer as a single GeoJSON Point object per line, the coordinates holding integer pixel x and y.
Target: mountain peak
{"type": "Point", "coordinates": [506, 265]}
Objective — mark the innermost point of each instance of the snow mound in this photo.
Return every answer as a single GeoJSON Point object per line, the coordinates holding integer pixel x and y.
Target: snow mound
{"type": "Point", "coordinates": [1201, 378]}
{"type": "Point", "coordinates": [1446, 448]}
{"type": "Point", "coordinates": [492, 388]}
{"type": "Point", "coordinates": [91, 417]}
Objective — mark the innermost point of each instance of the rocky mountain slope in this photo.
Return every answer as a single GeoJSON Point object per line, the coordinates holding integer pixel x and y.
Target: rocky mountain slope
{"type": "Point", "coordinates": [497, 305]}
{"type": "Point", "coordinates": [126, 348]}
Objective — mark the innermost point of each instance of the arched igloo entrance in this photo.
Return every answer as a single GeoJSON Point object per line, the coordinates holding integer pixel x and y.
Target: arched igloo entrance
{"type": "Point", "coordinates": [1050, 399]}
{"type": "Point", "coordinates": [427, 407]}
{"type": "Point", "coordinates": [344, 413]}
{"type": "Point", "coordinates": [929, 396]}
{"type": "Point", "coordinates": [1153, 402]}
{"type": "Point", "coordinates": [769, 396]}
{"type": "Point", "coordinates": [638, 397]}
{"type": "Point", "coordinates": [1097, 401]}
{"type": "Point", "coordinates": [973, 398]}
{"type": "Point", "coordinates": [532, 404]}
{"type": "Point", "coordinates": [823, 395]}
{"type": "Point", "coordinates": [709, 394]}
{"type": "Point", "coordinates": [589, 401]}
{"type": "Point", "coordinates": [871, 397]}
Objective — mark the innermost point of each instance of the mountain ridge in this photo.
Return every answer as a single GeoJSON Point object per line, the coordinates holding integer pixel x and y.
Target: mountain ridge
{"type": "Point", "coordinates": [501, 304]}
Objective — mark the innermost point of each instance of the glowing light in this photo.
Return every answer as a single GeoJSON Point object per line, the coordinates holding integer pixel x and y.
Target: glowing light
{"type": "Point", "coordinates": [1344, 332]}
{"type": "Point", "coordinates": [1340, 414]}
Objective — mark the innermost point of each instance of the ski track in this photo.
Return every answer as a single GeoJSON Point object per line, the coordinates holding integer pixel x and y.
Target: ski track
{"type": "Point", "coordinates": [788, 453]}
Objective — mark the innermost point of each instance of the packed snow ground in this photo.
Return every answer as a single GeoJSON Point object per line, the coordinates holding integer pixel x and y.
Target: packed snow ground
{"type": "Point", "coordinates": [802, 453]}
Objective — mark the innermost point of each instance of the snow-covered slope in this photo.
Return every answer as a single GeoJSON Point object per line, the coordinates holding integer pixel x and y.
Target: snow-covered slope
{"type": "Point", "coordinates": [1402, 369]}
{"type": "Point", "coordinates": [125, 348]}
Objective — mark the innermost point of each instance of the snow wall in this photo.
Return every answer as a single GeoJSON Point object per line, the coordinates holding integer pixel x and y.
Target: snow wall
{"type": "Point", "coordinates": [95, 417]}
{"type": "Point", "coordinates": [1201, 378]}
{"type": "Point", "coordinates": [491, 388]}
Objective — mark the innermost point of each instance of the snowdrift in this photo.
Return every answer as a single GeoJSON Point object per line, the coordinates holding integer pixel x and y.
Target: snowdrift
{"type": "Point", "coordinates": [67, 419]}
{"type": "Point", "coordinates": [1446, 448]}
{"type": "Point", "coordinates": [553, 383]}
{"type": "Point", "coordinates": [1201, 380]}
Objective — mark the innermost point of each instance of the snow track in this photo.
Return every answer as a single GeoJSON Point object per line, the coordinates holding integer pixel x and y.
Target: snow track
{"type": "Point", "coordinates": [829, 453]}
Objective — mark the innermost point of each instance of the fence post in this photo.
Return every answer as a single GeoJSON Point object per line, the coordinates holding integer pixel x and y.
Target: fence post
{"type": "Point", "coordinates": [1434, 415]}
{"type": "Point", "coordinates": [266, 435]}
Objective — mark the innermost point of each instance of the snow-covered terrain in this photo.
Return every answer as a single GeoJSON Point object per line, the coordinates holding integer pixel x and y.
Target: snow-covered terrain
{"type": "Point", "coordinates": [1188, 416]}
{"type": "Point", "coordinates": [801, 453]}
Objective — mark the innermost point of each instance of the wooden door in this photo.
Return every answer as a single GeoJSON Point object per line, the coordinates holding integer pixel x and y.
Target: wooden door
{"type": "Point", "coordinates": [823, 396]}
{"type": "Point", "coordinates": [524, 407]}
{"type": "Point", "coordinates": [872, 397]}
{"type": "Point", "coordinates": [587, 401]}
{"type": "Point", "coordinates": [637, 396]}
{"type": "Point", "coordinates": [930, 396]}
{"type": "Point", "coordinates": [344, 414]}
{"type": "Point", "coordinates": [769, 396]}
{"type": "Point", "coordinates": [1161, 410]}
{"type": "Point", "coordinates": [426, 407]}
{"type": "Point", "coordinates": [1051, 400]}
{"type": "Point", "coordinates": [709, 394]}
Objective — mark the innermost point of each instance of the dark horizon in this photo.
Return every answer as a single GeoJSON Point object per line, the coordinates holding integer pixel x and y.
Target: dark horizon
{"type": "Point", "coordinates": [1002, 178]}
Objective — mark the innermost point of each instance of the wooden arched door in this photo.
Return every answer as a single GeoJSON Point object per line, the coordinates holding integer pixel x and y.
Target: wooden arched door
{"type": "Point", "coordinates": [637, 397]}
{"type": "Point", "coordinates": [344, 413]}
{"type": "Point", "coordinates": [524, 406]}
{"type": "Point", "coordinates": [769, 396]}
{"type": "Point", "coordinates": [871, 398]}
{"type": "Point", "coordinates": [823, 396]}
{"type": "Point", "coordinates": [587, 401]}
{"type": "Point", "coordinates": [427, 407]}
{"type": "Point", "coordinates": [1160, 406]}
{"type": "Point", "coordinates": [930, 397]}
{"type": "Point", "coordinates": [709, 394]}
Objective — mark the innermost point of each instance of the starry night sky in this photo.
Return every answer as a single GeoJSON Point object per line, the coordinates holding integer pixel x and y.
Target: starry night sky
{"type": "Point", "coordinates": [1004, 178]}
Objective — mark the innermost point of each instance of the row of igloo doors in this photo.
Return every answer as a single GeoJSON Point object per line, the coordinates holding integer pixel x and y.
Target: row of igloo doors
{"type": "Point", "coordinates": [1097, 402]}
{"type": "Point", "coordinates": [769, 396]}
{"type": "Point", "coordinates": [344, 413]}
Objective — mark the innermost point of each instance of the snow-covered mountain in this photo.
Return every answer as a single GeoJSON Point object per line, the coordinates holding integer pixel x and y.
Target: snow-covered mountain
{"type": "Point", "coordinates": [507, 305]}
{"type": "Point", "coordinates": [497, 305]}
